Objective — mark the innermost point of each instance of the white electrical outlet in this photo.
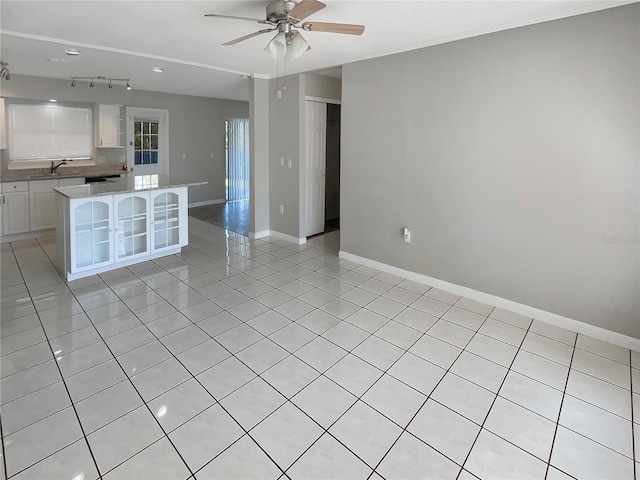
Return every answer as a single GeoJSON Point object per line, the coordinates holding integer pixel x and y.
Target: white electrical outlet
{"type": "Point", "coordinates": [290, 163]}
{"type": "Point", "coordinates": [122, 159]}
{"type": "Point", "coordinates": [211, 154]}
{"type": "Point", "coordinates": [281, 209]}
{"type": "Point", "coordinates": [184, 156]}
{"type": "Point", "coordinates": [282, 161]}
{"type": "Point", "coordinates": [101, 159]}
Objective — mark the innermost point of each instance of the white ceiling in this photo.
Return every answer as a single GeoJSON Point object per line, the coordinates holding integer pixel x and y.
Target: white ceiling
{"type": "Point", "coordinates": [125, 39]}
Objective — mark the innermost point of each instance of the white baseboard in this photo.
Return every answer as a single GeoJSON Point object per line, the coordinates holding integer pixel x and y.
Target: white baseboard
{"type": "Point", "coordinates": [207, 202]}
{"type": "Point", "coordinates": [599, 333]}
{"type": "Point", "coordinates": [16, 237]}
{"type": "Point", "coordinates": [289, 238]}
{"type": "Point", "coordinates": [258, 235]}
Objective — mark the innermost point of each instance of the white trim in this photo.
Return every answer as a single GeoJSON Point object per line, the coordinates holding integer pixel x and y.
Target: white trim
{"type": "Point", "coordinates": [119, 50]}
{"type": "Point", "coordinates": [120, 263]}
{"type": "Point", "coordinates": [207, 202]}
{"type": "Point", "coordinates": [260, 76]}
{"type": "Point", "coordinates": [322, 100]}
{"type": "Point", "coordinates": [16, 237]}
{"type": "Point", "coordinates": [603, 334]}
{"type": "Point", "coordinates": [258, 235]}
{"type": "Point", "coordinates": [289, 238]}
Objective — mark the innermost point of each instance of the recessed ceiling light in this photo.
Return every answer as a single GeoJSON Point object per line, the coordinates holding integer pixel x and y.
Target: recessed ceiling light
{"type": "Point", "coordinates": [72, 51]}
{"type": "Point", "coordinates": [53, 100]}
{"type": "Point", "coordinates": [157, 70]}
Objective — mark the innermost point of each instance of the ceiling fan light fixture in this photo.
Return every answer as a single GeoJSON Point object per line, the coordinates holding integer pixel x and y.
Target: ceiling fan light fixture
{"type": "Point", "coordinates": [296, 48]}
{"type": "Point", "coordinates": [278, 45]}
{"type": "Point", "coordinates": [128, 86]}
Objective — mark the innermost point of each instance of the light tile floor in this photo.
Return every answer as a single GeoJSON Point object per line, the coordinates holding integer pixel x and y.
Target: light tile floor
{"type": "Point", "coordinates": [264, 359]}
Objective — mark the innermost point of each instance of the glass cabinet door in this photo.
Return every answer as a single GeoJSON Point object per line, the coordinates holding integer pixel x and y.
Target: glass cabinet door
{"type": "Point", "coordinates": [166, 220]}
{"type": "Point", "coordinates": [131, 228]}
{"type": "Point", "coordinates": [91, 231]}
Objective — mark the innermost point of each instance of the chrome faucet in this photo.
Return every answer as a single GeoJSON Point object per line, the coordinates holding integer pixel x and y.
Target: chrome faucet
{"type": "Point", "coordinates": [54, 167]}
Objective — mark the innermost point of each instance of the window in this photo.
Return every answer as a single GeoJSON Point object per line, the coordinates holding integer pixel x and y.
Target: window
{"type": "Point", "coordinates": [146, 142]}
{"type": "Point", "coordinates": [49, 132]}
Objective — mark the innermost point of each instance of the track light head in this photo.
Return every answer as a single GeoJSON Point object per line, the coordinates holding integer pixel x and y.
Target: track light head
{"type": "Point", "coordinates": [128, 86]}
{"type": "Point", "coordinates": [92, 84]}
{"type": "Point", "coordinates": [110, 84]}
{"type": "Point", "coordinates": [73, 83]}
{"type": "Point", "coordinates": [7, 76]}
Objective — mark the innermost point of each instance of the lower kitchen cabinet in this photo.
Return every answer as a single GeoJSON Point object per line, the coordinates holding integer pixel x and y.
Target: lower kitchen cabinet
{"type": "Point", "coordinates": [100, 233]}
{"type": "Point", "coordinates": [91, 239]}
{"type": "Point", "coordinates": [42, 201]}
{"type": "Point", "coordinates": [15, 207]}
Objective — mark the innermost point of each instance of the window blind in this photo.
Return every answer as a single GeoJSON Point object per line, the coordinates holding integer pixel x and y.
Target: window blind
{"type": "Point", "coordinates": [238, 186]}
{"type": "Point", "coordinates": [38, 132]}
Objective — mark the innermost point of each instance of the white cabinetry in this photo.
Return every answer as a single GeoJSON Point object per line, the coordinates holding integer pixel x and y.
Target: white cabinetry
{"type": "Point", "coordinates": [169, 218]}
{"type": "Point", "coordinates": [132, 225]}
{"type": "Point", "coordinates": [42, 201]}
{"type": "Point", "coordinates": [108, 131]}
{"type": "Point", "coordinates": [15, 207]}
{"type": "Point", "coordinates": [103, 232]}
{"type": "Point", "coordinates": [91, 239]}
{"type": "Point", "coordinates": [3, 131]}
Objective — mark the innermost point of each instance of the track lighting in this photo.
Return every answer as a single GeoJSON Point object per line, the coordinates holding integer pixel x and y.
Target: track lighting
{"type": "Point", "coordinates": [4, 71]}
{"type": "Point", "coordinates": [99, 79]}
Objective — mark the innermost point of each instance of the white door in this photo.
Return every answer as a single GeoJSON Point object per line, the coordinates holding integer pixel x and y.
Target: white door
{"type": "Point", "coordinates": [314, 163]}
{"type": "Point", "coordinates": [147, 141]}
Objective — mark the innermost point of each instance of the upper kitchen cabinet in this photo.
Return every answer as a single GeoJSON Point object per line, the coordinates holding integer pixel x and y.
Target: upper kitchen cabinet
{"type": "Point", "coordinates": [108, 128]}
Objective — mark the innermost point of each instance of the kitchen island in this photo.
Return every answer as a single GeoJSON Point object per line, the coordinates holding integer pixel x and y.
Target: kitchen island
{"type": "Point", "coordinates": [112, 224]}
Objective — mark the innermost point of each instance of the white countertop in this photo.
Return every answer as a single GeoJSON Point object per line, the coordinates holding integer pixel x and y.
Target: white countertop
{"type": "Point", "coordinates": [128, 184]}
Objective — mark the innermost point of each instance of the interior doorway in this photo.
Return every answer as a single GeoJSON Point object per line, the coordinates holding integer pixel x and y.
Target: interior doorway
{"type": "Point", "coordinates": [332, 175]}
{"type": "Point", "coordinates": [321, 168]}
{"type": "Point", "coordinates": [237, 183]}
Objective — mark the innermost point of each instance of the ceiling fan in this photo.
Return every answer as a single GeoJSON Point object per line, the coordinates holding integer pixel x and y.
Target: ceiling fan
{"type": "Point", "coordinates": [285, 17]}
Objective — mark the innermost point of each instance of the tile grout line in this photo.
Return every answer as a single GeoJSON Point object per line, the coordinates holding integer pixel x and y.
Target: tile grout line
{"type": "Point", "coordinates": [634, 440]}
{"type": "Point", "coordinates": [564, 393]}
{"type": "Point", "coordinates": [4, 455]}
{"type": "Point", "coordinates": [404, 429]}
{"type": "Point", "coordinates": [61, 377]}
{"type": "Point", "coordinates": [127, 378]}
{"type": "Point", "coordinates": [494, 401]}
{"type": "Point", "coordinates": [197, 380]}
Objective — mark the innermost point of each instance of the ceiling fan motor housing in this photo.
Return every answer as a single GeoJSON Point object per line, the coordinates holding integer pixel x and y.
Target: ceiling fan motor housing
{"type": "Point", "coordinates": [279, 11]}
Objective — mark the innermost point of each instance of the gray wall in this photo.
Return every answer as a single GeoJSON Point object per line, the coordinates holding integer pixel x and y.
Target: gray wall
{"type": "Point", "coordinates": [259, 133]}
{"type": "Point", "coordinates": [286, 140]}
{"type": "Point", "coordinates": [514, 160]}
{"type": "Point", "coordinates": [196, 125]}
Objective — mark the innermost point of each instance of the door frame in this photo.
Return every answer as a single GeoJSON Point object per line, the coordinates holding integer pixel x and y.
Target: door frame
{"type": "Point", "coordinates": [162, 115]}
{"type": "Point", "coordinates": [326, 101]}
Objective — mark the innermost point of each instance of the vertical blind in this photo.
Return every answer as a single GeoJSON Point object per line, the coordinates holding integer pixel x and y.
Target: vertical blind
{"type": "Point", "coordinates": [49, 132]}
{"type": "Point", "coordinates": [237, 130]}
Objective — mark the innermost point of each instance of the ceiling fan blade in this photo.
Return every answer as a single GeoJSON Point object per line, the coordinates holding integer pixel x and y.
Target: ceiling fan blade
{"type": "Point", "coordinates": [247, 19]}
{"type": "Point", "coordinates": [247, 37]}
{"type": "Point", "coordinates": [347, 28]}
{"type": "Point", "coordinates": [305, 8]}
